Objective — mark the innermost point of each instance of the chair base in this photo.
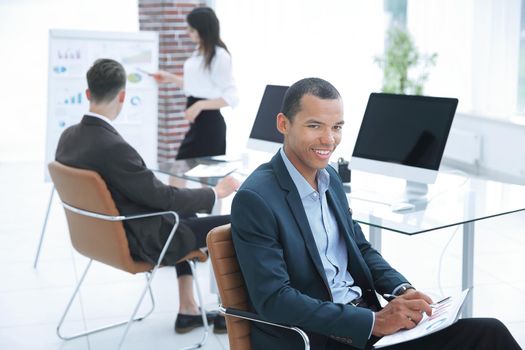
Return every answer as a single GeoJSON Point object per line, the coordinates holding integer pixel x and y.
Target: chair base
{"type": "Point", "coordinates": [113, 325]}
{"type": "Point", "coordinates": [246, 315]}
{"type": "Point", "coordinates": [133, 318]}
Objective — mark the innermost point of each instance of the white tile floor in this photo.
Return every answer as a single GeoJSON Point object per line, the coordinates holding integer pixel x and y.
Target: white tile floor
{"type": "Point", "coordinates": [32, 300]}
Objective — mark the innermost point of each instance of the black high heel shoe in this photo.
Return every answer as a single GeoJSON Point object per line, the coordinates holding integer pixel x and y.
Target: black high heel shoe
{"type": "Point", "coordinates": [219, 325]}
{"type": "Point", "coordinates": [185, 323]}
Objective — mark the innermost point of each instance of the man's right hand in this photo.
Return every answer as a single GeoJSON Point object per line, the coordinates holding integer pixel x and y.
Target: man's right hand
{"type": "Point", "coordinates": [226, 186]}
{"type": "Point", "coordinates": [404, 312]}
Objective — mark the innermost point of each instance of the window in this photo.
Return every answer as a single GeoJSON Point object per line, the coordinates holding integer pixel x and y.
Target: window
{"type": "Point", "coordinates": [521, 64]}
{"type": "Point", "coordinates": [397, 10]}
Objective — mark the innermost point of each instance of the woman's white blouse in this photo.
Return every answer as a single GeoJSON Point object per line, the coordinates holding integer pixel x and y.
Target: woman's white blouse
{"type": "Point", "coordinates": [210, 83]}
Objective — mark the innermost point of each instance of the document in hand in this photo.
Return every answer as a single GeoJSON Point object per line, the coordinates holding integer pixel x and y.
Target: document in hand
{"type": "Point", "coordinates": [211, 170]}
{"type": "Point", "coordinates": [444, 314]}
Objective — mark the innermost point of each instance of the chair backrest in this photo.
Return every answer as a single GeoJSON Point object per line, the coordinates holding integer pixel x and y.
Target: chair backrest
{"type": "Point", "coordinates": [98, 239]}
{"type": "Point", "coordinates": [231, 285]}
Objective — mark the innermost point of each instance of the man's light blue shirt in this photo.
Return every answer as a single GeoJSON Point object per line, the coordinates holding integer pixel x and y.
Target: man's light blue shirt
{"type": "Point", "coordinates": [330, 243]}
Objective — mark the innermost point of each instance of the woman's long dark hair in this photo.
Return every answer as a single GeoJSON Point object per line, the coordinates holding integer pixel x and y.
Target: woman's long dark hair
{"type": "Point", "coordinates": [206, 23]}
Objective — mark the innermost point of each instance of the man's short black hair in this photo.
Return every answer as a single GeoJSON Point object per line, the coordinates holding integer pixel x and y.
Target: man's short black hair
{"type": "Point", "coordinates": [105, 79]}
{"type": "Point", "coordinates": [308, 86]}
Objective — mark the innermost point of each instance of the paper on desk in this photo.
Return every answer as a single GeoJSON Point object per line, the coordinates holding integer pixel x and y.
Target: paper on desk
{"type": "Point", "coordinates": [211, 170]}
{"type": "Point", "coordinates": [227, 158]}
{"type": "Point", "coordinates": [443, 315]}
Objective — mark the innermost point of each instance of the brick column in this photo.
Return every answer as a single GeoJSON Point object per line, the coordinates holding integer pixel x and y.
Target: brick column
{"type": "Point", "coordinates": [168, 18]}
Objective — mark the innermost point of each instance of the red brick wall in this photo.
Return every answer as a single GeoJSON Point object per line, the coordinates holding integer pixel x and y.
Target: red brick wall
{"type": "Point", "coordinates": [168, 18]}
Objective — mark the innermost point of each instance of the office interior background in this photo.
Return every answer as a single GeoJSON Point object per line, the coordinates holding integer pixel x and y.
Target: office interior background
{"type": "Point", "coordinates": [481, 61]}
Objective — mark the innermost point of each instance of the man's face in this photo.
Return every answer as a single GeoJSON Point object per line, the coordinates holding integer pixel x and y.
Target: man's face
{"type": "Point", "coordinates": [313, 135]}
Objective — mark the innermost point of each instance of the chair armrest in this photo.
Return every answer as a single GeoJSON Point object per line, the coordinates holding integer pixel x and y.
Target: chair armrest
{"type": "Point", "coordinates": [247, 315]}
{"type": "Point", "coordinates": [172, 232]}
{"type": "Point", "coordinates": [250, 316]}
{"type": "Point", "coordinates": [131, 217]}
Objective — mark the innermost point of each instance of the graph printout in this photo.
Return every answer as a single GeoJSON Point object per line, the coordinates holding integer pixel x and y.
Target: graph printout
{"type": "Point", "coordinates": [444, 314]}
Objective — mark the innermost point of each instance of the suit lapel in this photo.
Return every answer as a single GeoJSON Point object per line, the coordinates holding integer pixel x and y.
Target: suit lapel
{"type": "Point", "coordinates": [296, 207]}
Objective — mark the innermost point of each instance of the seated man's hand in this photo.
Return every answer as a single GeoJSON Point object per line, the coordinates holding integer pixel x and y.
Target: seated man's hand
{"type": "Point", "coordinates": [404, 312]}
{"type": "Point", "coordinates": [226, 186]}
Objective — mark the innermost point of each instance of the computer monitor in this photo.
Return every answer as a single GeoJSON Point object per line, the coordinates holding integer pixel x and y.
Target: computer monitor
{"type": "Point", "coordinates": [264, 135]}
{"type": "Point", "coordinates": [404, 136]}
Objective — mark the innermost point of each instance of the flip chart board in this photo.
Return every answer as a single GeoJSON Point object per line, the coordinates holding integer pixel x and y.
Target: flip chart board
{"type": "Point", "coordinates": [71, 54]}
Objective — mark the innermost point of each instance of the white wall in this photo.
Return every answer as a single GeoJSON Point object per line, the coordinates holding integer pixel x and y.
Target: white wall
{"type": "Point", "coordinates": [280, 42]}
{"type": "Point", "coordinates": [478, 46]}
{"type": "Point", "coordinates": [502, 145]}
{"type": "Point", "coordinates": [271, 41]}
{"type": "Point", "coordinates": [445, 27]}
{"type": "Point", "coordinates": [477, 42]}
{"type": "Point", "coordinates": [24, 31]}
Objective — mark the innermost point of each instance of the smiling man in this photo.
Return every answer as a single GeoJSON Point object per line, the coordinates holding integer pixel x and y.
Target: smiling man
{"type": "Point", "coordinates": [306, 263]}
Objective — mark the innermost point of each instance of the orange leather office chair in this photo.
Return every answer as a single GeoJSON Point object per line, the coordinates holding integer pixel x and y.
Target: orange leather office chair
{"type": "Point", "coordinates": [97, 232]}
{"type": "Point", "coordinates": [232, 291]}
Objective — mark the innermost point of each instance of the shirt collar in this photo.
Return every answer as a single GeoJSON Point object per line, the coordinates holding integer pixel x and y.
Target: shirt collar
{"type": "Point", "coordinates": [100, 116]}
{"type": "Point", "coordinates": [303, 187]}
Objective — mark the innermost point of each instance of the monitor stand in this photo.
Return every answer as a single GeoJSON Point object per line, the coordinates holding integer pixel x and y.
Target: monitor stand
{"type": "Point", "coordinates": [414, 198]}
{"type": "Point", "coordinates": [416, 190]}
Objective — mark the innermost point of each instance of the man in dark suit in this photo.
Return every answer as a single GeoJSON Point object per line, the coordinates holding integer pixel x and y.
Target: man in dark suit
{"type": "Point", "coordinates": [307, 263]}
{"type": "Point", "coordinates": [95, 144]}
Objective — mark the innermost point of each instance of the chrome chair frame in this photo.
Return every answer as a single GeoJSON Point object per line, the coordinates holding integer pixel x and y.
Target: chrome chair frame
{"type": "Point", "coordinates": [44, 225]}
{"type": "Point", "coordinates": [149, 277]}
{"type": "Point", "coordinates": [233, 291]}
{"type": "Point", "coordinates": [250, 316]}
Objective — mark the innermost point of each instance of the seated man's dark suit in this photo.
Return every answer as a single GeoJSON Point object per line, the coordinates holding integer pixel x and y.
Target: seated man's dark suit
{"type": "Point", "coordinates": [95, 145]}
{"type": "Point", "coordinates": [286, 283]}
{"type": "Point", "coordinates": [283, 270]}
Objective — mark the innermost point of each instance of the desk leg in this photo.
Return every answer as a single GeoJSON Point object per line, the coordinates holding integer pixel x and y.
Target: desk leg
{"type": "Point", "coordinates": [375, 237]}
{"type": "Point", "coordinates": [467, 278]}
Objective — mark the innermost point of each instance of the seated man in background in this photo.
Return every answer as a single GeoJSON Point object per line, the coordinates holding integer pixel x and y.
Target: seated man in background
{"type": "Point", "coordinates": [306, 263]}
{"type": "Point", "coordinates": [96, 145]}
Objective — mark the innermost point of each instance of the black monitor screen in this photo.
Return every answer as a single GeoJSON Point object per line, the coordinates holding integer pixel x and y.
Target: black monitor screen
{"type": "Point", "coordinates": [264, 127]}
{"type": "Point", "coordinates": [404, 129]}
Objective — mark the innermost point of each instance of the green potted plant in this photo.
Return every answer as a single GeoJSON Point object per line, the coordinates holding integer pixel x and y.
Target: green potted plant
{"type": "Point", "coordinates": [405, 69]}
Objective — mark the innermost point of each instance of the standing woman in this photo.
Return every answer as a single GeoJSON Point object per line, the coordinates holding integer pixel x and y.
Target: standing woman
{"type": "Point", "coordinates": [208, 84]}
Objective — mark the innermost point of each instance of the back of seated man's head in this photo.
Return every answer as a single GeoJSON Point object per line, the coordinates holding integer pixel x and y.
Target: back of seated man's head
{"type": "Point", "coordinates": [308, 86]}
{"type": "Point", "coordinates": [105, 79]}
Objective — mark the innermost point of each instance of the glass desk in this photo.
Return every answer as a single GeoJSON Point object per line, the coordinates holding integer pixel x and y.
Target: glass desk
{"type": "Point", "coordinates": [178, 168]}
{"type": "Point", "coordinates": [244, 165]}
{"type": "Point", "coordinates": [453, 200]}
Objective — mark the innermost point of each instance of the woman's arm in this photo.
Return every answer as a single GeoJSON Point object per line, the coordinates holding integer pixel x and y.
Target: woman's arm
{"type": "Point", "coordinates": [222, 77]}
{"type": "Point", "coordinates": [167, 77]}
{"type": "Point", "coordinates": [194, 110]}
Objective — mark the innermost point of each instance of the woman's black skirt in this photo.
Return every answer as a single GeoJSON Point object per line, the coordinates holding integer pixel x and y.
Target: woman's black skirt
{"type": "Point", "coordinates": [207, 135]}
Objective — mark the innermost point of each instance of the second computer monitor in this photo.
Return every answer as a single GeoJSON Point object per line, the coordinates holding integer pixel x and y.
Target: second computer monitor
{"type": "Point", "coordinates": [404, 136]}
{"type": "Point", "coordinates": [264, 135]}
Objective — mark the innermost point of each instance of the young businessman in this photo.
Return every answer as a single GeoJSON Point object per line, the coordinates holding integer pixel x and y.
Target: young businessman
{"type": "Point", "coordinates": [306, 262]}
{"type": "Point", "coordinates": [95, 144]}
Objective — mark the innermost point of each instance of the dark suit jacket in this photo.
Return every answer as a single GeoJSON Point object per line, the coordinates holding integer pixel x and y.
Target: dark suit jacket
{"type": "Point", "coordinates": [95, 145]}
{"type": "Point", "coordinates": [282, 269]}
